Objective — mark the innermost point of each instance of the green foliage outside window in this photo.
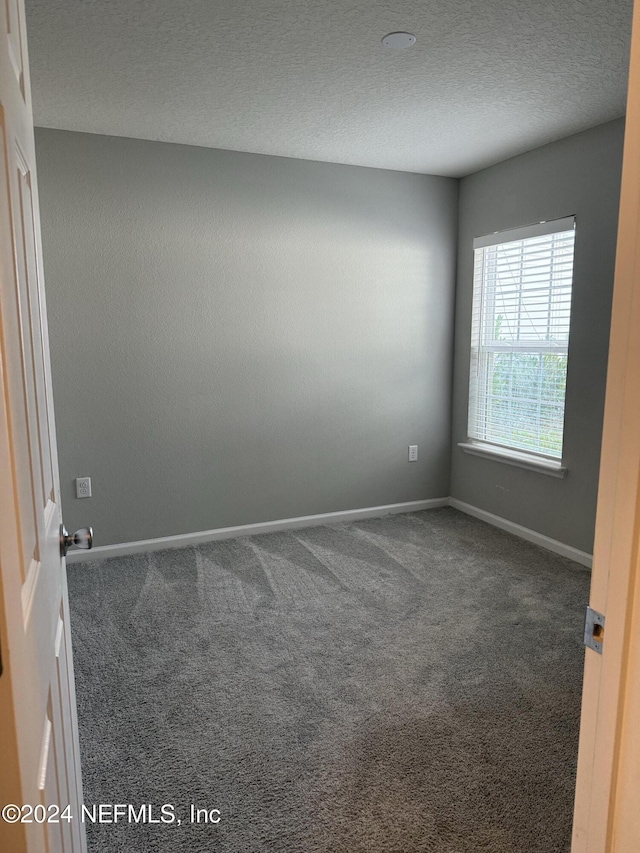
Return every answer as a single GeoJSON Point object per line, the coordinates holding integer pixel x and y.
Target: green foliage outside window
{"type": "Point", "coordinates": [527, 399]}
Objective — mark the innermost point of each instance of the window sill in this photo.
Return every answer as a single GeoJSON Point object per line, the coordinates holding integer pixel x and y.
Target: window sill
{"type": "Point", "coordinates": [514, 457]}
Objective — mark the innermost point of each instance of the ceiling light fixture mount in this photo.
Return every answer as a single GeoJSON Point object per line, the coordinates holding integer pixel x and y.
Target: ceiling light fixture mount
{"type": "Point", "coordinates": [399, 41]}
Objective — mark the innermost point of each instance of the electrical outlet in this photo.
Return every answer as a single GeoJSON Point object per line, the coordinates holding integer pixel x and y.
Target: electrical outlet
{"type": "Point", "coordinates": [83, 487]}
{"type": "Point", "coordinates": [413, 453]}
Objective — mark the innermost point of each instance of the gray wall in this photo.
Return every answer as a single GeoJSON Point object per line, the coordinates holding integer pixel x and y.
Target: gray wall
{"type": "Point", "coordinates": [238, 338]}
{"type": "Point", "coordinates": [578, 175]}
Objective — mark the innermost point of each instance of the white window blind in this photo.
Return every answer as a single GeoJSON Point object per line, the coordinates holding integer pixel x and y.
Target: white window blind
{"type": "Point", "coordinates": [520, 337]}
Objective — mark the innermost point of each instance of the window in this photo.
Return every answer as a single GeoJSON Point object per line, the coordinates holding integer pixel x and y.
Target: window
{"type": "Point", "coordinates": [519, 340]}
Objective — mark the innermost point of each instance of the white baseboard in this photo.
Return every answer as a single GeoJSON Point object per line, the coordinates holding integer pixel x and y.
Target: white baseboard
{"type": "Point", "coordinates": [185, 539]}
{"type": "Point", "coordinates": [103, 551]}
{"type": "Point", "coordinates": [525, 533]}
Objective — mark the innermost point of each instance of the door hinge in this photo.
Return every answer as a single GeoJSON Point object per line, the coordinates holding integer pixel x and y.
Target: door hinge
{"type": "Point", "coordinates": [594, 630]}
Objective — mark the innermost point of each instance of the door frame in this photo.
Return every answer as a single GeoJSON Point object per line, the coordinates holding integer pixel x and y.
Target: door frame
{"type": "Point", "coordinates": [605, 818]}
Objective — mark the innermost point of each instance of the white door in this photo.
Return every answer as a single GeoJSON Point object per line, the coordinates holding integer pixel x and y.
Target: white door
{"type": "Point", "coordinates": [39, 761]}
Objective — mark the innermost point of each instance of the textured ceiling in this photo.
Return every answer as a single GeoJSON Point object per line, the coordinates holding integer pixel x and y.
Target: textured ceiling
{"type": "Point", "coordinates": [309, 78]}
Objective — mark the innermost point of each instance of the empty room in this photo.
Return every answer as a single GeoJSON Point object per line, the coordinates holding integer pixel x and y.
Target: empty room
{"type": "Point", "coordinates": [317, 454]}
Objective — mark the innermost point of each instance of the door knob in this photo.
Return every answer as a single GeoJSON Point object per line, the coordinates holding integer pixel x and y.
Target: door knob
{"type": "Point", "coordinates": [82, 538]}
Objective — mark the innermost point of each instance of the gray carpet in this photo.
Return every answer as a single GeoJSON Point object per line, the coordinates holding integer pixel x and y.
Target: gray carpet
{"type": "Point", "coordinates": [395, 685]}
